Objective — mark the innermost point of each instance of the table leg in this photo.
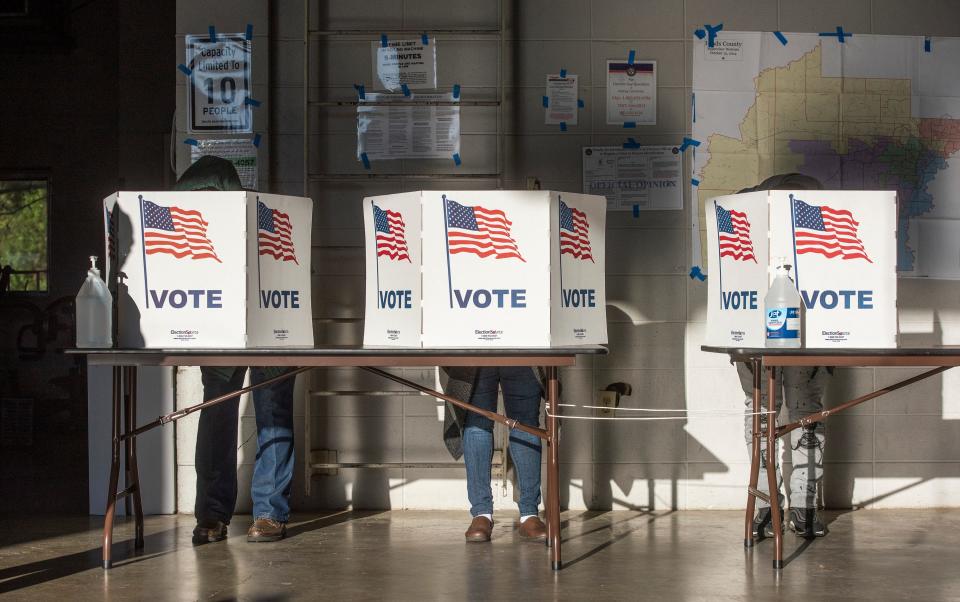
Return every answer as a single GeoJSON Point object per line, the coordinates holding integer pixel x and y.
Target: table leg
{"type": "Point", "coordinates": [775, 512]}
{"type": "Point", "coordinates": [133, 472]}
{"type": "Point", "coordinates": [114, 468]}
{"type": "Point", "coordinates": [553, 468]}
{"type": "Point", "coordinates": [756, 367]}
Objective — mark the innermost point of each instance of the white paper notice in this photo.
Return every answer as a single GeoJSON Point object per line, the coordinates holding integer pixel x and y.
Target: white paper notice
{"type": "Point", "coordinates": [561, 100]}
{"type": "Point", "coordinates": [632, 92]}
{"type": "Point", "coordinates": [401, 130]}
{"type": "Point", "coordinates": [409, 62]}
{"type": "Point", "coordinates": [219, 84]}
{"type": "Point", "coordinates": [239, 151]}
{"type": "Point", "coordinates": [648, 177]}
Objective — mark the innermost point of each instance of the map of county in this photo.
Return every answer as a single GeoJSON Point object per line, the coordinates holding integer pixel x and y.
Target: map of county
{"type": "Point", "coordinates": [874, 113]}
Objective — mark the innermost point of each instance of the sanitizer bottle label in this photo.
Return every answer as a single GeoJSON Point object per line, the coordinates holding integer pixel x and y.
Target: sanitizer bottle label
{"type": "Point", "coordinates": [783, 322]}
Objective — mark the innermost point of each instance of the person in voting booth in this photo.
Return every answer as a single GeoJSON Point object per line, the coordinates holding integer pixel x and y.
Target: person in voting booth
{"type": "Point", "coordinates": [216, 453]}
{"type": "Point", "coordinates": [470, 435]}
{"type": "Point", "coordinates": [802, 388]}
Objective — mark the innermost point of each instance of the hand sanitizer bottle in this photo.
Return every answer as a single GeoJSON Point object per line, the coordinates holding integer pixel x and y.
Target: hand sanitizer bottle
{"type": "Point", "coordinates": [782, 309]}
{"type": "Point", "coordinates": [94, 310]}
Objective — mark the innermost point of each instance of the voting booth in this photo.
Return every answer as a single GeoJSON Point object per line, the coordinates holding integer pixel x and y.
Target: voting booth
{"type": "Point", "coordinates": [209, 269]}
{"type": "Point", "coordinates": [842, 246]}
{"type": "Point", "coordinates": [485, 269]}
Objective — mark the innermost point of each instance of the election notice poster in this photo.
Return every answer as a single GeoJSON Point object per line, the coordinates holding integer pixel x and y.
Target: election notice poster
{"type": "Point", "coordinates": [239, 151]}
{"type": "Point", "coordinates": [219, 84]}
{"type": "Point", "coordinates": [390, 127]}
{"type": "Point", "coordinates": [561, 100]}
{"type": "Point", "coordinates": [647, 177]}
{"type": "Point", "coordinates": [405, 62]}
{"type": "Point", "coordinates": [631, 93]}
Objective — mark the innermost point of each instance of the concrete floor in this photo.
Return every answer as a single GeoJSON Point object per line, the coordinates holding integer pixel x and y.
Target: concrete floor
{"type": "Point", "coordinates": [417, 555]}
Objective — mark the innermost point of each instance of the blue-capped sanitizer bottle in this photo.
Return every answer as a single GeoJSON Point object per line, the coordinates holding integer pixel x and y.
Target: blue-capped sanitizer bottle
{"type": "Point", "coordinates": [782, 309]}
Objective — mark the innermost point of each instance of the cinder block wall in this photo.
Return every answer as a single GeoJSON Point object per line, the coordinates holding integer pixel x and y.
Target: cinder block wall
{"type": "Point", "coordinates": [902, 450]}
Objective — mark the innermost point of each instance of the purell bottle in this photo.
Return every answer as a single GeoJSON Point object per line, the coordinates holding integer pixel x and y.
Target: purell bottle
{"type": "Point", "coordinates": [782, 309]}
{"type": "Point", "coordinates": [94, 308]}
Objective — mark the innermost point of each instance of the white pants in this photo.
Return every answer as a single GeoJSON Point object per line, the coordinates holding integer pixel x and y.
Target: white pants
{"type": "Point", "coordinates": [803, 389]}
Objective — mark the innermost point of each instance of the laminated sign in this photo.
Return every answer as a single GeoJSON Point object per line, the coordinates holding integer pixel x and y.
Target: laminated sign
{"type": "Point", "coordinates": [842, 246]}
{"type": "Point", "coordinates": [219, 84]}
{"type": "Point", "coordinates": [210, 269]}
{"type": "Point", "coordinates": [485, 269]}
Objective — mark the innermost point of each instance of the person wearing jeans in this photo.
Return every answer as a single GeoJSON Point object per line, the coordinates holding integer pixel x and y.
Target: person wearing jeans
{"type": "Point", "coordinates": [521, 399]}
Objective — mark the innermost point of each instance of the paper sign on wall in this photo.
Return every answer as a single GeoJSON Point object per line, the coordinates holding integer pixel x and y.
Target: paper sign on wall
{"type": "Point", "coordinates": [239, 151]}
{"type": "Point", "coordinates": [632, 93]}
{"type": "Point", "coordinates": [219, 84]}
{"type": "Point", "coordinates": [561, 100]}
{"type": "Point", "coordinates": [647, 177]}
{"type": "Point", "coordinates": [404, 131]}
{"type": "Point", "coordinates": [409, 62]}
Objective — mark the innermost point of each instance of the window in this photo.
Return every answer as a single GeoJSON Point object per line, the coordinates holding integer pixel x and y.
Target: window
{"type": "Point", "coordinates": [23, 234]}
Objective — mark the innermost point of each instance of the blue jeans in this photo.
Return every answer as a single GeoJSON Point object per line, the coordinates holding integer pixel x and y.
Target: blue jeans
{"type": "Point", "coordinates": [521, 398]}
{"type": "Point", "coordinates": [216, 457]}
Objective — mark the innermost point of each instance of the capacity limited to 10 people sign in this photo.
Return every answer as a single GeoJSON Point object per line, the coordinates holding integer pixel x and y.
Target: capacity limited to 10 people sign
{"type": "Point", "coordinates": [219, 83]}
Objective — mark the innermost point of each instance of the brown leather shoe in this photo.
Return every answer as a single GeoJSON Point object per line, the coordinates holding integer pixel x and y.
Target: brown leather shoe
{"type": "Point", "coordinates": [266, 529]}
{"type": "Point", "coordinates": [533, 529]}
{"type": "Point", "coordinates": [209, 531]}
{"type": "Point", "coordinates": [480, 529]}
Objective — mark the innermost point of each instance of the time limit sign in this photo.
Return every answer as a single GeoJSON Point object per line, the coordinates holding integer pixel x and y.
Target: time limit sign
{"type": "Point", "coordinates": [219, 83]}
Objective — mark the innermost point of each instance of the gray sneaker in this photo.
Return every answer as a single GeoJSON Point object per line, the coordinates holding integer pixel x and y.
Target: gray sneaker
{"type": "Point", "coordinates": [763, 523]}
{"type": "Point", "coordinates": [805, 522]}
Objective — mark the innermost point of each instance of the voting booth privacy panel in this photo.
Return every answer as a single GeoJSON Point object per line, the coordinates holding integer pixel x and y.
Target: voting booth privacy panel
{"type": "Point", "coordinates": [210, 269]}
{"type": "Point", "coordinates": [842, 246]}
{"type": "Point", "coordinates": [485, 269]}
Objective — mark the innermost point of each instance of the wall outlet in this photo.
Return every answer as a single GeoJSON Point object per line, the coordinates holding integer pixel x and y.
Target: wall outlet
{"type": "Point", "coordinates": [607, 399]}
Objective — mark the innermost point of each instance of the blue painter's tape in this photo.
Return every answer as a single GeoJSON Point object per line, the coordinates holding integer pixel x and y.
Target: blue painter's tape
{"type": "Point", "coordinates": [695, 272]}
{"type": "Point", "coordinates": [695, 181]}
{"type": "Point", "coordinates": [249, 33]}
{"type": "Point", "coordinates": [631, 143]}
{"type": "Point", "coordinates": [383, 40]}
{"type": "Point", "coordinates": [546, 101]}
{"type": "Point", "coordinates": [360, 91]}
{"type": "Point", "coordinates": [405, 89]}
{"type": "Point", "coordinates": [781, 37]}
{"type": "Point", "coordinates": [688, 142]}
{"type": "Point", "coordinates": [839, 34]}
{"type": "Point", "coordinates": [456, 91]}
{"type": "Point", "coordinates": [456, 159]}
{"type": "Point", "coordinates": [366, 160]}
{"type": "Point", "coordinates": [563, 126]}
{"type": "Point", "coordinates": [580, 103]}
{"type": "Point", "coordinates": [563, 72]}
{"type": "Point", "coordinates": [212, 31]}
{"type": "Point", "coordinates": [629, 124]}
{"type": "Point", "coordinates": [699, 33]}
{"type": "Point", "coordinates": [192, 142]}
{"type": "Point", "coordinates": [712, 33]}
{"type": "Point", "coordinates": [185, 70]}
{"type": "Point", "coordinates": [256, 140]}
{"type": "Point", "coordinates": [636, 211]}
{"type": "Point", "coordinates": [926, 44]}
{"type": "Point", "coordinates": [631, 57]}
{"type": "Point", "coordinates": [253, 102]}
{"type": "Point", "coordinates": [425, 40]}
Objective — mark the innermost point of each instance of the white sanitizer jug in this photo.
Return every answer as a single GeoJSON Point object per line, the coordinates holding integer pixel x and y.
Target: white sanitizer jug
{"type": "Point", "coordinates": [94, 311]}
{"type": "Point", "coordinates": [782, 309]}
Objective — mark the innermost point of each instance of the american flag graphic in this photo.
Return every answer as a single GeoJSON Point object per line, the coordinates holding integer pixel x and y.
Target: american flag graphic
{"type": "Point", "coordinates": [111, 233]}
{"type": "Point", "coordinates": [175, 231]}
{"type": "Point", "coordinates": [391, 236]}
{"type": "Point", "coordinates": [733, 232]}
{"type": "Point", "coordinates": [274, 232]}
{"type": "Point", "coordinates": [574, 233]}
{"type": "Point", "coordinates": [826, 231]}
{"type": "Point", "coordinates": [481, 231]}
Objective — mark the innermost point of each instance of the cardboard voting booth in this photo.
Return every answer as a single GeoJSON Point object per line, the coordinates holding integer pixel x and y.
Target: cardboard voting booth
{"type": "Point", "coordinates": [210, 269]}
{"type": "Point", "coordinates": [485, 269]}
{"type": "Point", "coordinates": [842, 246]}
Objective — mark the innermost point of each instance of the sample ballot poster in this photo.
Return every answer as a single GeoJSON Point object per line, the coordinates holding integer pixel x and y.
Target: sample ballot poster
{"type": "Point", "coordinates": [647, 177]}
{"type": "Point", "coordinates": [239, 151]}
{"type": "Point", "coordinates": [410, 62]}
{"type": "Point", "coordinates": [632, 92]}
{"type": "Point", "coordinates": [561, 100]}
{"type": "Point", "coordinates": [219, 83]}
{"type": "Point", "coordinates": [407, 131]}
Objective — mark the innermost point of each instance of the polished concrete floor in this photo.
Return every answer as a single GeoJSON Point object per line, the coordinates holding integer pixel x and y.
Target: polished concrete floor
{"type": "Point", "coordinates": [417, 555]}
